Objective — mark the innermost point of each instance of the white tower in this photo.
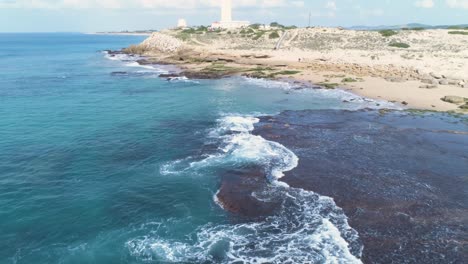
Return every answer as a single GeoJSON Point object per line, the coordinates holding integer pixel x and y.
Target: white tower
{"type": "Point", "coordinates": [226, 11]}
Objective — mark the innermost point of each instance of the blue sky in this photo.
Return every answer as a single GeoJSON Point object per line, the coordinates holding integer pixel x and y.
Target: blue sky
{"type": "Point", "coordinates": [103, 15]}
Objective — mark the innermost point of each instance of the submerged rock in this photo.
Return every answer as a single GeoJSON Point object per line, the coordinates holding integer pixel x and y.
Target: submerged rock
{"type": "Point", "coordinates": [405, 192]}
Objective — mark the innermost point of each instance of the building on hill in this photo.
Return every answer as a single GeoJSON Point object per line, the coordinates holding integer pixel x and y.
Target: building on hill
{"type": "Point", "coordinates": [181, 23]}
{"type": "Point", "coordinates": [226, 18]}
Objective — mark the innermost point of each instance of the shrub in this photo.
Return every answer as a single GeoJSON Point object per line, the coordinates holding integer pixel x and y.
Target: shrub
{"type": "Point", "coordinates": [276, 24]}
{"type": "Point", "coordinates": [202, 29]}
{"type": "Point", "coordinates": [274, 35]}
{"type": "Point", "coordinates": [458, 27]}
{"type": "Point", "coordinates": [188, 31]}
{"type": "Point", "coordinates": [399, 45]}
{"type": "Point", "coordinates": [255, 26]}
{"type": "Point", "coordinates": [329, 86]}
{"type": "Point", "coordinates": [348, 79]}
{"type": "Point", "coordinates": [287, 72]}
{"type": "Point", "coordinates": [387, 32]}
{"type": "Point", "coordinates": [458, 32]}
{"type": "Point", "coordinates": [258, 35]}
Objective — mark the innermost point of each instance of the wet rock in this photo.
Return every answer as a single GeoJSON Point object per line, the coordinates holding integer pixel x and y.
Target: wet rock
{"type": "Point", "coordinates": [404, 210]}
{"type": "Point", "coordinates": [454, 99]}
{"type": "Point", "coordinates": [144, 62]}
{"type": "Point", "coordinates": [114, 52]}
{"type": "Point", "coordinates": [119, 73]}
{"type": "Point", "coordinates": [169, 75]}
{"type": "Point", "coordinates": [428, 86]}
{"type": "Point", "coordinates": [404, 103]}
{"type": "Point", "coordinates": [208, 75]}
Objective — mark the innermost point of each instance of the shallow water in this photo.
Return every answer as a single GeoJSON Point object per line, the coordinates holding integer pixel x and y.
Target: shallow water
{"type": "Point", "coordinates": [101, 161]}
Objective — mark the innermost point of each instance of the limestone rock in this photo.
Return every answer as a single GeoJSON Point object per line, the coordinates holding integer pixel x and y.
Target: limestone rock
{"type": "Point", "coordinates": [443, 82]}
{"type": "Point", "coordinates": [430, 81]}
{"type": "Point", "coordinates": [396, 79]}
{"type": "Point", "coordinates": [162, 42]}
{"type": "Point", "coordinates": [428, 86]}
{"type": "Point", "coordinates": [436, 76]}
{"type": "Point", "coordinates": [454, 99]}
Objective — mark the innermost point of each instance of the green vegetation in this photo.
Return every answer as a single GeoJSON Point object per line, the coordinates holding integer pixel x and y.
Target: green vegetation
{"type": "Point", "coordinates": [221, 68]}
{"type": "Point", "coordinates": [348, 80]}
{"type": "Point", "coordinates": [287, 72]}
{"type": "Point", "coordinates": [329, 86]}
{"type": "Point", "coordinates": [458, 32]}
{"type": "Point", "coordinates": [335, 75]}
{"type": "Point", "coordinates": [274, 35]}
{"type": "Point", "coordinates": [267, 72]}
{"type": "Point", "coordinates": [255, 26]}
{"type": "Point", "coordinates": [387, 32]}
{"type": "Point", "coordinates": [261, 69]}
{"type": "Point", "coordinates": [276, 24]}
{"type": "Point", "coordinates": [458, 27]}
{"type": "Point", "coordinates": [258, 35]}
{"type": "Point", "coordinates": [399, 45]}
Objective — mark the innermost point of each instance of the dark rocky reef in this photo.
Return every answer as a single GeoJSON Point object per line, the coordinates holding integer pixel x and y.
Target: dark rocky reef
{"type": "Point", "coordinates": [401, 178]}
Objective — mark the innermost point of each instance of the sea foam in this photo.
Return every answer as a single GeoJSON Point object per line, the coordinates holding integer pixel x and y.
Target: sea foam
{"type": "Point", "coordinates": [307, 228]}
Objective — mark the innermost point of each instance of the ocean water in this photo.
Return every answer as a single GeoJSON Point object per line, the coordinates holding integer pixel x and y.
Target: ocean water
{"type": "Point", "coordinates": [102, 161]}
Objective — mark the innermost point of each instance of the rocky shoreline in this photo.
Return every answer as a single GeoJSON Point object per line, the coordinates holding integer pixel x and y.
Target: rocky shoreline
{"type": "Point", "coordinates": [407, 86]}
{"type": "Point", "coordinates": [404, 192]}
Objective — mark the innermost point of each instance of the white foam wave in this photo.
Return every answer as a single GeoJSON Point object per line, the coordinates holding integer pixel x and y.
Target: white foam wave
{"type": "Point", "coordinates": [307, 228]}
{"type": "Point", "coordinates": [346, 100]}
{"type": "Point", "coordinates": [270, 83]}
{"type": "Point", "coordinates": [120, 57]}
{"type": "Point", "coordinates": [240, 146]}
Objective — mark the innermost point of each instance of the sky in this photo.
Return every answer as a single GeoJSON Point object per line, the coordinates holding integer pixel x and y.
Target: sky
{"type": "Point", "coordinates": [117, 15]}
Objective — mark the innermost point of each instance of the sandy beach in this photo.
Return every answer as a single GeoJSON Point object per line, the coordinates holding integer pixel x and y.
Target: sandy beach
{"type": "Point", "coordinates": [431, 65]}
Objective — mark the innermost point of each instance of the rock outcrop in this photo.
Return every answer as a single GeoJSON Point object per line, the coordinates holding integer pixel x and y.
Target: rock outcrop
{"type": "Point", "coordinates": [162, 43]}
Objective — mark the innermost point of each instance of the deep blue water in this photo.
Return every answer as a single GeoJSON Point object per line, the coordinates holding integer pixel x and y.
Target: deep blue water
{"type": "Point", "coordinates": [105, 167]}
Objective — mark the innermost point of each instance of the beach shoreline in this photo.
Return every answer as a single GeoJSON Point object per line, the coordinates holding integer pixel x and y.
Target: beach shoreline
{"type": "Point", "coordinates": [420, 82]}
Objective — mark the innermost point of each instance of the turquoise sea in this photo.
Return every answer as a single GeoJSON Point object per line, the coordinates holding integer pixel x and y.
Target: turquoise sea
{"type": "Point", "coordinates": [101, 161]}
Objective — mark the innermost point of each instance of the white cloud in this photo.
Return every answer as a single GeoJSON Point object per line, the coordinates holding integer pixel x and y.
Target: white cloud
{"type": "Point", "coordinates": [457, 3]}
{"type": "Point", "coordinates": [424, 3]}
{"type": "Point", "coordinates": [115, 4]}
{"type": "Point", "coordinates": [331, 5]}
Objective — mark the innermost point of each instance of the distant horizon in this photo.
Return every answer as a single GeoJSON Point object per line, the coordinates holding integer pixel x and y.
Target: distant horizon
{"type": "Point", "coordinates": [145, 30]}
{"type": "Point", "coordinates": [117, 15]}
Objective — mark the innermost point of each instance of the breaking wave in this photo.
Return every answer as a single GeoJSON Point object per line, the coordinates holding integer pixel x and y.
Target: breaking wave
{"type": "Point", "coordinates": [306, 228]}
{"type": "Point", "coordinates": [350, 100]}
